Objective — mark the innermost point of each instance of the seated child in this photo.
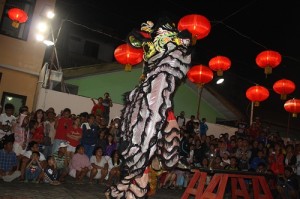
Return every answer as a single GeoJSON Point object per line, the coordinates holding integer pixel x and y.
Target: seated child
{"type": "Point", "coordinates": [50, 172]}
{"type": "Point", "coordinates": [33, 168]}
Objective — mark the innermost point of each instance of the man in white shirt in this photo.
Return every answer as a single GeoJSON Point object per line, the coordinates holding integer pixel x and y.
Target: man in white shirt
{"type": "Point", "coordinates": [7, 119]}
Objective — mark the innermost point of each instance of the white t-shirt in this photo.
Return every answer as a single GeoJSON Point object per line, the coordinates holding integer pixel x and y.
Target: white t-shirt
{"type": "Point", "coordinates": [298, 164]}
{"type": "Point", "coordinates": [101, 163]}
{"type": "Point", "coordinates": [28, 154]}
{"type": "Point", "coordinates": [5, 120]}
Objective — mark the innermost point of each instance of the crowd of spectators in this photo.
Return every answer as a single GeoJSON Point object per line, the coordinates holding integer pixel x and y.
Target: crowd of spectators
{"type": "Point", "coordinates": [47, 147]}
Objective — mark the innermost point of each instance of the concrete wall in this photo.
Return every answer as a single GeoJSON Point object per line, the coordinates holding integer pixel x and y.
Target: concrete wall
{"type": "Point", "coordinates": [77, 104]}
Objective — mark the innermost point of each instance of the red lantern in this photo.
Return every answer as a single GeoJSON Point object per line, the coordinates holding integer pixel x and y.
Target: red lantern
{"type": "Point", "coordinates": [200, 75]}
{"type": "Point", "coordinates": [219, 64]}
{"type": "Point", "coordinates": [284, 87]}
{"type": "Point", "coordinates": [292, 106]}
{"type": "Point", "coordinates": [257, 94]}
{"type": "Point", "coordinates": [17, 16]}
{"type": "Point", "coordinates": [127, 55]}
{"type": "Point", "coordinates": [198, 25]}
{"type": "Point", "coordinates": [268, 59]}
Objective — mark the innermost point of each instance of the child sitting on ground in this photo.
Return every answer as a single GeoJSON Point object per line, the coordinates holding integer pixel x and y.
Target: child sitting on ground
{"type": "Point", "coordinates": [50, 172]}
{"type": "Point", "coordinates": [33, 168]}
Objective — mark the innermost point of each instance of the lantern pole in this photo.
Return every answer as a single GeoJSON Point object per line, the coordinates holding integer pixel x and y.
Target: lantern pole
{"type": "Point", "coordinates": [251, 113]}
{"type": "Point", "coordinates": [199, 100]}
{"type": "Point", "coordinates": [288, 126]}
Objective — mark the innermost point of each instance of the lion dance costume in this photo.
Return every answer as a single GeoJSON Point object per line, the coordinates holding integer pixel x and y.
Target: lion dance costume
{"type": "Point", "coordinates": [148, 124]}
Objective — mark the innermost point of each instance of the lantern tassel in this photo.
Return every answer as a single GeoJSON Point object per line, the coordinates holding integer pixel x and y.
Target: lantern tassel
{"type": "Point", "coordinates": [256, 104]}
{"type": "Point", "coordinates": [194, 40]}
{"type": "Point", "coordinates": [15, 24]}
{"type": "Point", "coordinates": [219, 73]}
{"type": "Point", "coordinates": [283, 96]}
{"type": "Point", "coordinates": [268, 70]}
{"type": "Point", "coordinates": [128, 67]}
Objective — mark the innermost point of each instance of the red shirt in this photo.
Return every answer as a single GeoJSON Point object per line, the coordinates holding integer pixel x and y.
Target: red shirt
{"type": "Point", "coordinates": [98, 109]}
{"type": "Point", "coordinates": [74, 131]}
{"type": "Point", "coordinates": [63, 125]}
{"type": "Point", "coordinates": [38, 134]}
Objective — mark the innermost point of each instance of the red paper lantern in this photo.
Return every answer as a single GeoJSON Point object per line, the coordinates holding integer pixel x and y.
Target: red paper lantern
{"type": "Point", "coordinates": [198, 25]}
{"type": "Point", "coordinates": [200, 75]}
{"type": "Point", "coordinates": [219, 64]}
{"type": "Point", "coordinates": [268, 59]}
{"type": "Point", "coordinates": [284, 87]}
{"type": "Point", "coordinates": [257, 94]}
{"type": "Point", "coordinates": [17, 16]}
{"type": "Point", "coordinates": [127, 55]}
{"type": "Point", "coordinates": [292, 106]}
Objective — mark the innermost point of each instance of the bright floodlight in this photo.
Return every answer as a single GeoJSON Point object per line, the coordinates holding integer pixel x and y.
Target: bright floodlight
{"type": "Point", "coordinates": [50, 14]}
{"type": "Point", "coordinates": [220, 81]}
{"type": "Point", "coordinates": [48, 42]}
{"type": "Point", "coordinates": [39, 37]}
{"type": "Point", "coordinates": [42, 26]}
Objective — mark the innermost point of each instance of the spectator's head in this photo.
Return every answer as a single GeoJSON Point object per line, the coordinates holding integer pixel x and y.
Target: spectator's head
{"type": "Point", "coordinates": [39, 115]}
{"type": "Point", "coordinates": [233, 162]}
{"type": "Point", "coordinates": [62, 148]}
{"type": "Point", "coordinates": [50, 113]}
{"type": "Point", "coordinates": [8, 145]}
{"type": "Point", "coordinates": [23, 110]}
{"type": "Point", "coordinates": [100, 100]}
{"type": "Point", "coordinates": [193, 117]}
{"type": "Point", "coordinates": [204, 119]}
{"type": "Point", "coordinates": [91, 118]}
{"type": "Point", "coordinates": [79, 149]}
{"type": "Point", "coordinates": [98, 151]}
{"type": "Point", "coordinates": [106, 95]}
{"type": "Point", "coordinates": [9, 109]}
{"type": "Point", "coordinates": [33, 146]}
{"type": "Point", "coordinates": [260, 154]}
{"type": "Point", "coordinates": [66, 113]}
{"type": "Point", "coordinates": [182, 113]}
{"type": "Point", "coordinates": [288, 171]}
{"type": "Point", "coordinates": [35, 155]}
{"type": "Point", "coordinates": [50, 160]}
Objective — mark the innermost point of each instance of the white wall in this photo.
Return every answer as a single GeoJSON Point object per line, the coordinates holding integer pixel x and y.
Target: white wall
{"type": "Point", "coordinates": [78, 104]}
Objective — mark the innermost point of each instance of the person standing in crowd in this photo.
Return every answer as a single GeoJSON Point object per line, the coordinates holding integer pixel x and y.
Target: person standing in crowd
{"type": "Point", "coordinates": [181, 119]}
{"type": "Point", "coordinates": [49, 131]}
{"type": "Point", "coordinates": [107, 103]}
{"type": "Point", "coordinates": [90, 135]}
{"type": "Point", "coordinates": [203, 127]}
{"type": "Point", "coordinates": [19, 129]}
{"type": "Point", "coordinates": [98, 108]}
{"type": "Point", "coordinates": [190, 126]}
{"type": "Point", "coordinates": [74, 136]}
{"type": "Point", "coordinates": [62, 126]}
{"type": "Point", "coordinates": [6, 121]}
{"type": "Point", "coordinates": [8, 163]}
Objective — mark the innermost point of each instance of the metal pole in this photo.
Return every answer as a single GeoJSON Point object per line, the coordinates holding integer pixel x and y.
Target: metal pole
{"type": "Point", "coordinates": [251, 114]}
{"type": "Point", "coordinates": [199, 101]}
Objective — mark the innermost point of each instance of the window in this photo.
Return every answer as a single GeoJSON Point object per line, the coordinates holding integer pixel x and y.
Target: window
{"type": "Point", "coordinates": [6, 27]}
{"type": "Point", "coordinates": [17, 100]}
{"type": "Point", "coordinates": [91, 49]}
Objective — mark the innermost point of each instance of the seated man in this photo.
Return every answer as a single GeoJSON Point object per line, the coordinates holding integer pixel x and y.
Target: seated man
{"type": "Point", "coordinates": [62, 161]}
{"type": "Point", "coordinates": [287, 185]}
{"type": "Point", "coordinates": [32, 146]}
{"type": "Point", "coordinates": [8, 163]}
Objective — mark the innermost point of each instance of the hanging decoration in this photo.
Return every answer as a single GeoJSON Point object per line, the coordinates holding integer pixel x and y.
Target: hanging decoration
{"type": "Point", "coordinates": [17, 16]}
{"type": "Point", "coordinates": [196, 24]}
{"type": "Point", "coordinates": [129, 56]}
{"type": "Point", "coordinates": [200, 75]}
{"type": "Point", "coordinates": [219, 64]}
{"type": "Point", "coordinates": [257, 94]}
{"type": "Point", "coordinates": [284, 87]}
{"type": "Point", "coordinates": [268, 60]}
{"type": "Point", "coordinates": [292, 106]}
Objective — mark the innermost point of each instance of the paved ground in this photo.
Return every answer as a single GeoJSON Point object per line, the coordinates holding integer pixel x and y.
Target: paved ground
{"type": "Point", "coordinates": [68, 190]}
